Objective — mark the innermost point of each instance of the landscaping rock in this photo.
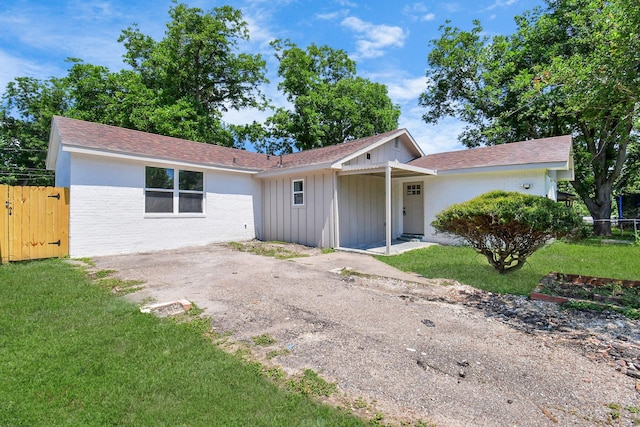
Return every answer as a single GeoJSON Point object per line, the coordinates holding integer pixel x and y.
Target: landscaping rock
{"type": "Point", "coordinates": [605, 333]}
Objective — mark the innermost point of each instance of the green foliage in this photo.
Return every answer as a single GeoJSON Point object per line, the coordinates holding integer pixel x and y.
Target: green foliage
{"type": "Point", "coordinates": [507, 227]}
{"type": "Point", "coordinates": [178, 86]}
{"type": "Point", "coordinates": [330, 103]}
{"type": "Point", "coordinates": [73, 354]}
{"type": "Point", "coordinates": [263, 340]}
{"type": "Point", "coordinates": [568, 69]}
{"type": "Point", "coordinates": [278, 250]}
{"type": "Point", "coordinates": [26, 110]}
{"type": "Point", "coordinates": [275, 353]}
{"type": "Point", "coordinates": [311, 384]}
{"type": "Point", "coordinates": [196, 71]}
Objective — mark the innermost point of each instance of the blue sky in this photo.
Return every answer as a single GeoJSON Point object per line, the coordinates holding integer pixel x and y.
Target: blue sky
{"type": "Point", "coordinates": [389, 40]}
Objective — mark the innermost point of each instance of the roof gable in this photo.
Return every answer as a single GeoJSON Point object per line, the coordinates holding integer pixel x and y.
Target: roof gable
{"type": "Point", "coordinates": [340, 153]}
{"type": "Point", "coordinates": [532, 152]}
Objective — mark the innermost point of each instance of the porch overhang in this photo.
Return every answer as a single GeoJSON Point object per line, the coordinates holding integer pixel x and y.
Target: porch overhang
{"type": "Point", "coordinates": [389, 170]}
{"type": "Point", "coordinates": [398, 170]}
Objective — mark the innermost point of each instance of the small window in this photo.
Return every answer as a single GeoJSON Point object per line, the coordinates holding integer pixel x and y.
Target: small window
{"type": "Point", "coordinates": [159, 190]}
{"type": "Point", "coordinates": [190, 192]}
{"type": "Point", "coordinates": [165, 194]}
{"type": "Point", "coordinates": [413, 189]}
{"type": "Point", "coordinates": [298, 192]}
{"type": "Point", "coordinates": [396, 144]}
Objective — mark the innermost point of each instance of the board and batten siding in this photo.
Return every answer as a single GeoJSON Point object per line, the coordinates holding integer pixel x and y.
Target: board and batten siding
{"type": "Point", "coordinates": [311, 224]}
{"type": "Point", "coordinates": [361, 200]}
{"type": "Point", "coordinates": [384, 153]}
{"type": "Point", "coordinates": [107, 210]}
{"type": "Point", "coordinates": [443, 191]}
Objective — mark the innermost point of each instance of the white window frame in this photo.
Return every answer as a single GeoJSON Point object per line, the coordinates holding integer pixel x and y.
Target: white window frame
{"type": "Point", "coordinates": [176, 191]}
{"type": "Point", "coordinates": [298, 192]}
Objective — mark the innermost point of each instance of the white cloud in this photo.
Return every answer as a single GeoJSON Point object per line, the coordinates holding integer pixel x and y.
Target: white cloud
{"type": "Point", "coordinates": [346, 3]}
{"type": "Point", "coordinates": [332, 15]}
{"type": "Point", "coordinates": [374, 39]}
{"type": "Point", "coordinates": [92, 10]}
{"type": "Point", "coordinates": [415, 8]}
{"type": "Point", "coordinates": [407, 89]}
{"type": "Point", "coordinates": [432, 138]}
{"type": "Point", "coordinates": [501, 3]}
{"type": "Point", "coordinates": [418, 12]}
{"type": "Point", "coordinates": [450, 7]}
{"type": "Point", "coordinates": [428, 17]}
{"type": "Point", "coordinates": [13, 67]}
{"type": "Point", "coordinates": [259, 32]}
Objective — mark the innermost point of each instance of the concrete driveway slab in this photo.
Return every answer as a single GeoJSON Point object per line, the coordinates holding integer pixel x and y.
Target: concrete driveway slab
{"type": "Point", "coordinates": [397, 340]}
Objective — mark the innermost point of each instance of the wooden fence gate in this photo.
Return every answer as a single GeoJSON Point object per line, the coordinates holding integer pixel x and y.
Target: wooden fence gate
{"type": "Point", "coordinates": [34, 223]}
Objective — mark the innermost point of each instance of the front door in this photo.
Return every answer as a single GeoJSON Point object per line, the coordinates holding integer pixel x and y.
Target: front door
{"type": "Point", "coordinates": [413, 210]}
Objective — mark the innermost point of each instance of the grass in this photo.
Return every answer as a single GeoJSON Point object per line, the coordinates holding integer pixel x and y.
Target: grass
{"type": "Point", "coordinates": [72, 353]}
{"type": "Point", "coordinates": [591, 258]}
{"type": "Point", "coordinates": [263, 340]}
{"type": "Point", "coordinates": [274, 249]}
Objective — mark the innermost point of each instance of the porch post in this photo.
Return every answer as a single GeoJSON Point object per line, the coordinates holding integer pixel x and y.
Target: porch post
{"type": "Point", "coordinates": [387, 196]}
{"type": "Point", "coordinates": [336, 212]}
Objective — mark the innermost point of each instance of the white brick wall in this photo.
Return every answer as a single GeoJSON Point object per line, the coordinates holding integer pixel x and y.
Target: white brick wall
{"type": "Point", "coordinates": [107, 210]}
{"type": "Point", "coordinates": [444, 191]}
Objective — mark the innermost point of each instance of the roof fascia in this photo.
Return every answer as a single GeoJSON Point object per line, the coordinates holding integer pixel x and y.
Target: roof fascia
{"type": "Point", "coordinates": [53, 148]}
{"type": "Point", "coordinates": [547, 166]}
{"type": "Point", "coordinates": [415, 144]}
{"type": "Point", "coordinates": [381, 167]}
{"type": "Point", "coordinates": [138, 158]}
{"type": "Point", "coordinates": [294, 170]}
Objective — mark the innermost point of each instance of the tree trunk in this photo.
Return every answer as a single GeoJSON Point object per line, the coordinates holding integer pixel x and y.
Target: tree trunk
{"type": "Point", "coordinates": [601, 213]}
{"type": "Point", "coordinates": [601, 220]}
{"type": "Point", "coordinates": [599, 206]}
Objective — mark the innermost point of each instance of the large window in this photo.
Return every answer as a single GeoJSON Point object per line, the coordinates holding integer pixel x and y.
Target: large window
{"type": "Point", "coordinates": [298, 192]}
{"type": "Point", "coordinates": [173, 191]}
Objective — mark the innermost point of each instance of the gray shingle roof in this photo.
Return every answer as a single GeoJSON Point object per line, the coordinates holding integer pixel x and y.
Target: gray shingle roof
{"type": "Point", "coordinates": [82, 134]}
{"type": "Point", "coordinates": [79, 133]}
{"type": "Point", "coordinates": [537, 151]}
{"type": "Point", "coordinates": [114, 139]}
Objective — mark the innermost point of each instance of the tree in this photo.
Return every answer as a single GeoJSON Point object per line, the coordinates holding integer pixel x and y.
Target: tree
{"type": "Point", "coordinates": [25, 122]}
{"type": "Point", "coordinates": [507, 227]}
{"type": "Point", "coordinates": [570, 69]}
{"type": "Point", "coordinates": [179, 86]}
{"type": "Point", "coordinates": [196, 72]}
{"type": "Point", "coordinates": [330, 103]}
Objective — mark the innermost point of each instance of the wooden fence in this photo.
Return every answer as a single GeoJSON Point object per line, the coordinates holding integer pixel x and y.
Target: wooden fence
{"type": "Point", "coordinates": [34, 223]}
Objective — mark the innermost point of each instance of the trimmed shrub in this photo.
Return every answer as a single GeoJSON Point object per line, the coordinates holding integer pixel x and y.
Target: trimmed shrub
{"type": "Point", "coordinates": [507, 227]}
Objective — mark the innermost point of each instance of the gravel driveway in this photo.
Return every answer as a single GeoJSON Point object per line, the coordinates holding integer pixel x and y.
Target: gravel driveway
{"type": "Point", "coordinates": [412, 350]}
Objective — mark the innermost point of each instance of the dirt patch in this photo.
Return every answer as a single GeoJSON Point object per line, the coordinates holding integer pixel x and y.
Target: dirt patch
{"type": "Point", "coordinates": [278, 250]}
{"type": "Point", "coordinates": [412, 351]}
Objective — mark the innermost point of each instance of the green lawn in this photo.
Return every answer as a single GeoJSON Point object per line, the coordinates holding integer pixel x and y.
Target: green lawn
{"type": "Point", "coordinates": [466, 266]}
{"type": "Point", "coordinates": [73, 354]}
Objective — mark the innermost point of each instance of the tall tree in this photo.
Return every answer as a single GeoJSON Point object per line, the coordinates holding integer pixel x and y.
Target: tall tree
{"type": "Point", "coordinates": [178, 86]}
{"type": "Point", "coordinates": [571, 68]}
{"type": "Point", "coordinates": [330, 103]}
{"type": "Point", "coordinates": [196, 70]}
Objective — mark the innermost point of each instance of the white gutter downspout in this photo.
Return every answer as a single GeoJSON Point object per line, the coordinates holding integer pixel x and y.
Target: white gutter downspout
{"type": "Point", "coordinates": [387, 194]}
{"type": "Point", "coordinates": [336, 215]}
